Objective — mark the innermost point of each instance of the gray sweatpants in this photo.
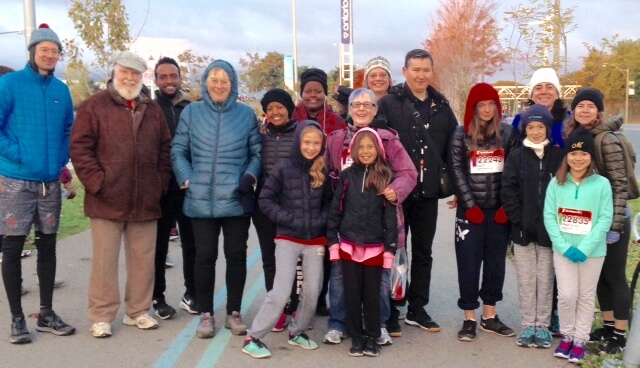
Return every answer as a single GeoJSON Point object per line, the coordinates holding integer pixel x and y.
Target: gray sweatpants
{"type": "Point", "coordinates": [577, 283]}
{"type": "Point", "coordinates": [287, 253]}
{"type": "Point", "coordinates": [534, 266]}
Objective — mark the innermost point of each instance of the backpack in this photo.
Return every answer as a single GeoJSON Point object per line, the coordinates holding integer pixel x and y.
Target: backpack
{"type": "Point", "coordinates": [629, 154]}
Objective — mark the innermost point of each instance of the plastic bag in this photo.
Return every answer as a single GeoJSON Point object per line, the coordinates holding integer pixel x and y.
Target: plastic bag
{"type": "Point", "coordinates": [399, 275]}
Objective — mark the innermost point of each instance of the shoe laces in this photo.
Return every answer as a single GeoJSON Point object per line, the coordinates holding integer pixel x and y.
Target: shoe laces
{"type": "Point", "coordinates": [206, 320]}
{"type": "Point", "coordinates": [236, 317]}
{"type": "Point", "coordinates": [258, 343]}
{"type": "Point", "coordinates": [542, 333]}
{"type": "Point", "coordinates": [301, 335]}
{"type": "Point", "coordinates": [529, 331]}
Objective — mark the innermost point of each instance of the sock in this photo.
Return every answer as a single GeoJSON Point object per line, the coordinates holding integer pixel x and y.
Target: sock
{"type": "Point", "coordinates": [619, 332]}
{"type": "Point", "coordinates": [608, 325]}
{"type": "Point", "coordinates": [486, 318]}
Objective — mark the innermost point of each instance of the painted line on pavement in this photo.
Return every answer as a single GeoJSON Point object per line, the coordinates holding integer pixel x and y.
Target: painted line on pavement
{"type": "Point", "coordinates": [170, 356]}
{"type": "Point", "coordinates": [221, 340]}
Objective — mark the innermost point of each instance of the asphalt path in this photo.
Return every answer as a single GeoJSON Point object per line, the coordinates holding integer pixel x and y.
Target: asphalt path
{"type": "Point", "coordinates": [173, 344]}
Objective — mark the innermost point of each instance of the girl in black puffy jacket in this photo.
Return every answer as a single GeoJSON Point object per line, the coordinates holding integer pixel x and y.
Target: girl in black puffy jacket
{"type": "Point", "coordinates": [477, 154]}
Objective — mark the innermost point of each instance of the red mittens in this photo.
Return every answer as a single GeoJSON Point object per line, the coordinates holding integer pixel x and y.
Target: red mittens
{"type": "Point", "coordinates": [474, 215]}
{"type": "Point", "coordinates": [501, 216]}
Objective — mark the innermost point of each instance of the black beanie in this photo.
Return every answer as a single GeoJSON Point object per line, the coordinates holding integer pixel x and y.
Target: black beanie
{"type": "Point", "coordinates": [314, 75]}
{"type": "Point", "coordinates": [342, 96]}
{"type": "Point", "coordinates": [588, 94]}
{"type": "Point", "coordinates": [537, 113]}
{"type": "Point", "coordinates": [278, 95]}
{"type": "Point", "coordinates": [580, 140]}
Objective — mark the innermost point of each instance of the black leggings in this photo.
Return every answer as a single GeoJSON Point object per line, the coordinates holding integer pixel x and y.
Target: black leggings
{"type": "Point", "coordinates": [12, 269]}
{"type": "Point", "coordinates": [235, 231]}
{"type": "Point", "coordinates": [613, 290]}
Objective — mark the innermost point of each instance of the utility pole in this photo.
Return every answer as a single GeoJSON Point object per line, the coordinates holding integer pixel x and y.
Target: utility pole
{"type": "Point", "coordinates": [556, 35]}
{"type": "Point", "coordinates": [295, 49]}
{"type": "Point", "coordinates": [29, 21]}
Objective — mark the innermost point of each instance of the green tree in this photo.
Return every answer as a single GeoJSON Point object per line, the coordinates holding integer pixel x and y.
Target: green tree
{"type": "Point", "coordinates": [103, 28]}
{"type": "Point", "coordinates": [191, 69]}
{"type": "Point", "coordinates": [78, 78]}
{"type": "Point", "coordinates": [262, 73]}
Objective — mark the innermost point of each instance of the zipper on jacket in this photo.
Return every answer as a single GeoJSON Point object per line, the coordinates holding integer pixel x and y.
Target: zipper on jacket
{"type": "Point", "coordinates": [135, 162]}
{"type": "Point", "coordinates": [364, 177]}
{"type": "Point", "coordinates": [577, 190]}
{"type": "Point", "coordinates": [46, 119]}
{"type": "Point", "coordinates": [213, 168]}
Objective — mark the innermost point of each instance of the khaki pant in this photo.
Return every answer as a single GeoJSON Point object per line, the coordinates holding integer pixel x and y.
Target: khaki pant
{"type": "Point", "coordinates": [139, 247]}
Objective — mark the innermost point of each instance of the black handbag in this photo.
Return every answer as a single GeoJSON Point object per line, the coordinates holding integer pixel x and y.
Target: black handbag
{"type": "Point", "coordinates": [445, 188]}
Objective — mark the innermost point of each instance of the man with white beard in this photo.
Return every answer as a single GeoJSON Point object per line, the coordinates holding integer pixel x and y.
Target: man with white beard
{"type": "Point", "coordinates": [120, 146]}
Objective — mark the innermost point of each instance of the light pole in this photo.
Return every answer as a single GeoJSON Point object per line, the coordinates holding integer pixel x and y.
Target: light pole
{"type": "Point", "coordinates": [626, 90]}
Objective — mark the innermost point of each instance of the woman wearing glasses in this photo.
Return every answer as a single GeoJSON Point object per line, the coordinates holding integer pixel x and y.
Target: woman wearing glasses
{"type": "Point", "coordinates": [362, 110]}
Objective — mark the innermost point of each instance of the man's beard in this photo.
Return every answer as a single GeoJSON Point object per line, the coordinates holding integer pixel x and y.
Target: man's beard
{"type": "Point", "coordinates": [125, 92]}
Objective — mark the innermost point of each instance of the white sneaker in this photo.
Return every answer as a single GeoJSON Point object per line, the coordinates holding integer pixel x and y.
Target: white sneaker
{"type": "Point", "coordinates": [143, 322]}
{"type": "Point", "coordinates": [384, 338]}
{"type": "Point", "coordinates": [334, 337]}
{"type": "Point", "coordinates": [101, 329]}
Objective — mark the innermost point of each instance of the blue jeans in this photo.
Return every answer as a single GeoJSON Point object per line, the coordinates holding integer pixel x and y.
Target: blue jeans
{"type": "Point", "coordinates": [337, 313]}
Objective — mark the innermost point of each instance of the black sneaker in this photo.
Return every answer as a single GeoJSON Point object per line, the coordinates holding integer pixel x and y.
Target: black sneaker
{"type": "Point", "coordinates": [421, 319]}
{"type": "Point", "coordinates": [371, 347]}
{"type": "Point", "coordinates": [601, 334]}
{"type": "Point", "coordinates": [357, 347]}
{"type": "Point", "coordinates": [468, 330]}
{"type": "Point", "coordinates": [496, 326]}
{"type": "Point", "coordinates": [187, 303]}
{"type": "Point", "coordinates": [50, 322]}
{"type": "Point", "coordinates": [19, 333]}
{"type": "Point", "coordinates": [162, 309]}
{"type": "Point", "coordinates": [616, 344]}
{"type": "Point", "coordinates": [393, 327]}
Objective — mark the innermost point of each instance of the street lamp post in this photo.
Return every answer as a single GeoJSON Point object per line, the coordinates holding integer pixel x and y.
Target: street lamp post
{"type": "Point", "coordinates": [626, 90]}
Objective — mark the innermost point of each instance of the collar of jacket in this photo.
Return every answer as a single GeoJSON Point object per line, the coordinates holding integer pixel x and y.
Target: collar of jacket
{"type": "Point", "coordinates": [183, 98]}
{"type": "Point", "coordinates": [46, 79]}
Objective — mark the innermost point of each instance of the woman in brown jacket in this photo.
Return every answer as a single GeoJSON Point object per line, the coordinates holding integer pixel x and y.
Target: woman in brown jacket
{"type": "Point", "coordinates": [613, 289]}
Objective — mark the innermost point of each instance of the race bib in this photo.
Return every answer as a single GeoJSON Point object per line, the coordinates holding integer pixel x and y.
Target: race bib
{"type": "Point", "coordinates": [486, 161]}
{"type": "Point", "coordinates": [577, 222]}
{"type": "Point", "coordinates": [346, 160]}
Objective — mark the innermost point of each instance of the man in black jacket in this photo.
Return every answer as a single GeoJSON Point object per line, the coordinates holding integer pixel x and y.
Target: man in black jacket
{"type": "Point", "coordinates": [415, 109]}
{"type": "Point", "coordinates": [172, 100]}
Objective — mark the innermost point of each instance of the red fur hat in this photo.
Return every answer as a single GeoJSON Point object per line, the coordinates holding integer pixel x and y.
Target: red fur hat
{"type": "Point", "coordinates": [480, 92]}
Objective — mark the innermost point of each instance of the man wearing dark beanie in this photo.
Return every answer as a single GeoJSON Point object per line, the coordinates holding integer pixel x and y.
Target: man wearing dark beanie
{"type": "Point", "coordinates": [313, 90]}
{"type": "Point", "coordinates": [36, 113]}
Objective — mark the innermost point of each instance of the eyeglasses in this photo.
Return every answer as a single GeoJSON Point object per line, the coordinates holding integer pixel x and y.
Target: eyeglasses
{"type": "Point", "coordinates": [52, 52]}
{"type": "Point", "coordinates": [366, 105]}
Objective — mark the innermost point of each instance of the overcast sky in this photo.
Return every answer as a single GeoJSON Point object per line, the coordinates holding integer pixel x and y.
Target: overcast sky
{"type": "Point", "coordinates": [229, 29]}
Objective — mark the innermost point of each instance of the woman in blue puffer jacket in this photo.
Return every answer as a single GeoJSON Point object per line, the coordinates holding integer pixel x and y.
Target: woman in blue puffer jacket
{"type": "Point", "coordinates": [216, 157]}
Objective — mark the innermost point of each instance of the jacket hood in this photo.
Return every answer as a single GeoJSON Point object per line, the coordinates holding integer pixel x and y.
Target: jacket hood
{"type": "Point", "coordinates": [182, 96]}
{"type": "Point", "coordinates": [367, 129]}
{"type": "Point", "coordinates": [479, 92]}
{"type": "Point", "coordinates": [233, 94]}
{"type": "Point", "coordinates": [612, 125]}
{"type": "Point", "coordinates": [296, 155]}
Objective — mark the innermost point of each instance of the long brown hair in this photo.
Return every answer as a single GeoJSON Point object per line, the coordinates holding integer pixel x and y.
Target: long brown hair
{"type": "Point", "coordinates": [564, 169]}
{"type": "Point", "coordinates": [379, 174]}
{"type": "Point", "coordinates": [572, 124]}
{"type": "Point", "coordinates": [318, 163]}
{"type": "Point", "coordinates": [480, 133]}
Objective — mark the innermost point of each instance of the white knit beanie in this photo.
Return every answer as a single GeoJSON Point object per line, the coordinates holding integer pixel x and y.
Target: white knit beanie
{"type": "Point", "coordinates": [544, 75]}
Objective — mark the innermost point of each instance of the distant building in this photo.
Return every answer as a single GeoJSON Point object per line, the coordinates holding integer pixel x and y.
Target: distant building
{"type": "Point", "coordinates": [154, 48]}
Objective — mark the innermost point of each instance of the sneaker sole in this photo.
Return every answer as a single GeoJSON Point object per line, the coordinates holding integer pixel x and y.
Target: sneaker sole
{"type": "Point", "coordinates": [184, 306]}
{"type": "Point", "coordinates": [331, 342]}
{"type": "Point", "coordinates": [237, 332]}
{"type": "Point", "coordinates": [532, 345]}
{"type": "Point", "coordinates": [255, 356]}
{"type": "Point", "coordinates": [574, 360]}
{"type": "Point", "coordinates": [305, 347]}
{"type": "Point", "coordinates": [395, 334]}
{"type": "Point", "coordinates": [495, 332]}
{"type": "Point", "coordinates": [560, 355]}
{"type": "Point", "coordinates": [55, 332]}
{"type": "Point", "coordinates": [384, 343]}
{"type": "Point", "coordinates": [131, 322]}
{"type": "Point", "coordinates": [356, 354]}
{"type": "Point", "coordinates": [466, 339]}
{"type": "Point", "coordinates": [164, 317]}
{"type": "Point", "coordinates": [104, 335]}
{"type": "Point", "coordinates": [416, 324]}
{"type": "Point", "coordinates": [205, 335]}
{"type": "Point", "coordinates": [20, 340]}
{"type": "Point", "coordinates": [370, 354]}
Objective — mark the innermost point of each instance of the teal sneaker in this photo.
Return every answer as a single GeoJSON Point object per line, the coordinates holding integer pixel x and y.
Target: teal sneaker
{"type": "Point", "coordinates": [255, 348]}
{"type": "Point", "coordinates": [526, 337]}
{"type": "Point", "coordinates": [543, 338]}
{"type": "Point", "coordinates": [302, 341]}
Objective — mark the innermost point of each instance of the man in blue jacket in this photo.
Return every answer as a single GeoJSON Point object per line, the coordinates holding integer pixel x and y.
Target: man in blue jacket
{"type": "Point", "coordinates": [36, 113]}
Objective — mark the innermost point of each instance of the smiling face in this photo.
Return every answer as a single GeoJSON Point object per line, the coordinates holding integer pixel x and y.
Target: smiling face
{"type": "Point", "coordinates": [127, 82]}
{"type": "Point", "coordinates": [311, 143]}
{"type": "Point", "coordinates": [46, 56]}
{"type": "Point", "coordinates": [365, 111]}
{"type": "Point", "coordinates": [218, 85]}
{"type": "Point", "coordinates": [544, 94]}
{"type": "Point", "coordinates": [585, 112]}
{"type": "Point", "coordinates": [418, 75]}
{"type": "Point", "coordinates": [313, 96]}
{"type": "Point", "coordinates": [579, 162]}
{"type": "Point", "coordinates": [168, 80]}
{"type": "Point", "coordinates": [367, 152]}
{"type": "Point", "coordinates": [277, 114]}
{"type": "Point", "coordinates": [378, 81]}
{"type": "Point", "coordinates": [536, 132]}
